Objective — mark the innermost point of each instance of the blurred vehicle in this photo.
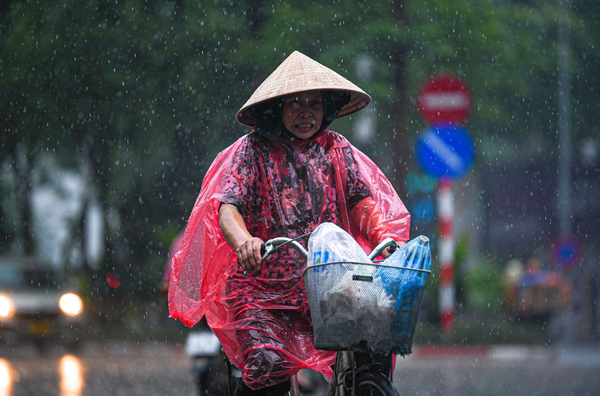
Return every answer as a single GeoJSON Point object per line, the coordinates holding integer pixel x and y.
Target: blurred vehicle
{"type": "Point", "coordinates": [536, 293]}
{"type": "Point", "coordinates": [37, 304]}
{"type": "Point", "coordinates": [208, 365]}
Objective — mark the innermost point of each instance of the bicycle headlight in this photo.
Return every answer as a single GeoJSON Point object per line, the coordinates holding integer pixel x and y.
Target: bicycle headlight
{"type": "Point", "coordinates": [6, 307]}
{"type": "Point", "coordinates": [70, 304]}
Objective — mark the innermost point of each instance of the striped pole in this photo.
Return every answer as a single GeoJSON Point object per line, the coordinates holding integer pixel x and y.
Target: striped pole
{"type": "Point", "coordinates": [446, 254]}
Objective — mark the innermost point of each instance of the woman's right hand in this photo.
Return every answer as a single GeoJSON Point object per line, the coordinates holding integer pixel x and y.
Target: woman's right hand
{"type": "Point", "coordinates": [248, 254]}
{"type": "Point", "coordinates": [237, 236]}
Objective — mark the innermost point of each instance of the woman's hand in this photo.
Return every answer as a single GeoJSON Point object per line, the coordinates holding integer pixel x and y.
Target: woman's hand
{"type": "Point", "coordinates": [248, 254]}
{"type": "Point", "coordinates": [386, 253]}
{"type": "Point", "coordinates": [237, 236]}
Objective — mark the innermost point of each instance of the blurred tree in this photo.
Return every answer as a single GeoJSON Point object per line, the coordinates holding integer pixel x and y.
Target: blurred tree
{"type": "Point", "coordinates": [119, 88]}
{"type": "Point", "coordinates": [507, 53]}
{"type": "Point", "coordinates": [141, 94]}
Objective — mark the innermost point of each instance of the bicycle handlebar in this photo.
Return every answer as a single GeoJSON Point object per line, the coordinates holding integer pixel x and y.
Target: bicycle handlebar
{"type": "Point", "coordinates": [388, 243]}
{"type": "Point", "coordinates": [269, 247]}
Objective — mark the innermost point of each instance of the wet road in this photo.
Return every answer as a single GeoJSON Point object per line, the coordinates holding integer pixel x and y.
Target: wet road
{"type": "Point", "coordinates": [500, 371]}
{"type": "Point", "coordinates": [99, 370]}
{"type": "Point", "coordinates": [129, 369]}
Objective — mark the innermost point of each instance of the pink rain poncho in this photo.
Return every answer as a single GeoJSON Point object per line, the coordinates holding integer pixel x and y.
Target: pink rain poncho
{"type": "Point", "coordinates": [281, 188]}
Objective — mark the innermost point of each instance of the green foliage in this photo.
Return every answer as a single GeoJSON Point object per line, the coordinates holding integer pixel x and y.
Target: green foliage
{"type": "Point", "coordinates": [149, 88]}
{"type": "Point", "coordinates": [484, 286]}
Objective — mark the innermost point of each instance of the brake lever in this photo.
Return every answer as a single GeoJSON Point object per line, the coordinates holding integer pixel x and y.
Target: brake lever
{"type": "Point", "coordinates": [266, 249]}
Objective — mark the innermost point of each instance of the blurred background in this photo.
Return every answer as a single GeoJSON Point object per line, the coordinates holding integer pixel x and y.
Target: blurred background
{"type": "Point", "coordinates": [113, 110]}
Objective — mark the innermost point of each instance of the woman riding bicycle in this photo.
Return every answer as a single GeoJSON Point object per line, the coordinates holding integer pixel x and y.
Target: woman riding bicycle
{"type": "Point", "coordinates": [290, 174]}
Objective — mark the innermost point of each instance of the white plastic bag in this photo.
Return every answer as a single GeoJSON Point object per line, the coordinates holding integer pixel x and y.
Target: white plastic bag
{"type": "Point", "coordinates": [349, 297]}
{"type": "Point", "coordinates": [329, 243]}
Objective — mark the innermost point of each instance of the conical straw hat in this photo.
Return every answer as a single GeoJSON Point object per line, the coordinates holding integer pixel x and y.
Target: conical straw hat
{"type": "Point", "coordinates": [299, 73]}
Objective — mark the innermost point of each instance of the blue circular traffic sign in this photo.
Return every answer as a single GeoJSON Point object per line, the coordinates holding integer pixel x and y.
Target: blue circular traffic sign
{"type": "Point", "coordinates": [445, 151]}
{"type": "Point", "coordinates": [567, 251]}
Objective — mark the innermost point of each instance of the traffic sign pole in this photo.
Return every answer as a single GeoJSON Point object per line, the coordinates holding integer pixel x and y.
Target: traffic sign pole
{"type": "Point", "coordinates": [445, 151]}
{"type": "Point", "coordinates": [446, 254]}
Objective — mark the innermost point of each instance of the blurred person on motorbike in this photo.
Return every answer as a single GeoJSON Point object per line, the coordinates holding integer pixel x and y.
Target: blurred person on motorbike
{"type": "Point", "coordinates": [290, 174]}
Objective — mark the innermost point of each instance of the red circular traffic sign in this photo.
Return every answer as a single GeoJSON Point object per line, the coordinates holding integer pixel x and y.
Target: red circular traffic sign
{"type": "Point", "coordinates": [444, 99]}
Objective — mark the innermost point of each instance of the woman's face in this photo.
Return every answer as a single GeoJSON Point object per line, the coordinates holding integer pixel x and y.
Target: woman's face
{"type": "Point", "coordinates": [303, 113]}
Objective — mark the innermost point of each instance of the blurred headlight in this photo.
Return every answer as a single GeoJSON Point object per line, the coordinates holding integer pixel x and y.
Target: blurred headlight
{"type": "Point", "coordinates": [71, 304]}
{"type": "Point", "coordinates": [6, 307]}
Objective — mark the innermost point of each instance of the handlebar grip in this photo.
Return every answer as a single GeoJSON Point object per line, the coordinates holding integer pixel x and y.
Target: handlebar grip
{"type": "Point", "coordinates": [263, 249]}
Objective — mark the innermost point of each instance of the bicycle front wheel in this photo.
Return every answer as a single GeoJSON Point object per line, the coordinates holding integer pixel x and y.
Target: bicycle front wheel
{"type": "Point", "coordinates": [374, 384]}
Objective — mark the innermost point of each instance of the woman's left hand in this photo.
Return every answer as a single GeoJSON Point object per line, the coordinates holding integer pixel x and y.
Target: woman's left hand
{"type": "Point", "coordinates": [386, 253]}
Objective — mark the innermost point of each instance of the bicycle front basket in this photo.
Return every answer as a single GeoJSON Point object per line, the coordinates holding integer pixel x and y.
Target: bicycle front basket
{"type": "Point", "coordinates": [353, 303]}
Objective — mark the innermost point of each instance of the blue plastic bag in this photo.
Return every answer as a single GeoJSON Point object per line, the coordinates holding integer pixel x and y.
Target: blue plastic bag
{"type": "Point", "coordinates": [404, 277]}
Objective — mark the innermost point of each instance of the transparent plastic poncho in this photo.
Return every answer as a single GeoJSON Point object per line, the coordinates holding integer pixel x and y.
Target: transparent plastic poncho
{"type": "Point", "coordinates": [207, 280]}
